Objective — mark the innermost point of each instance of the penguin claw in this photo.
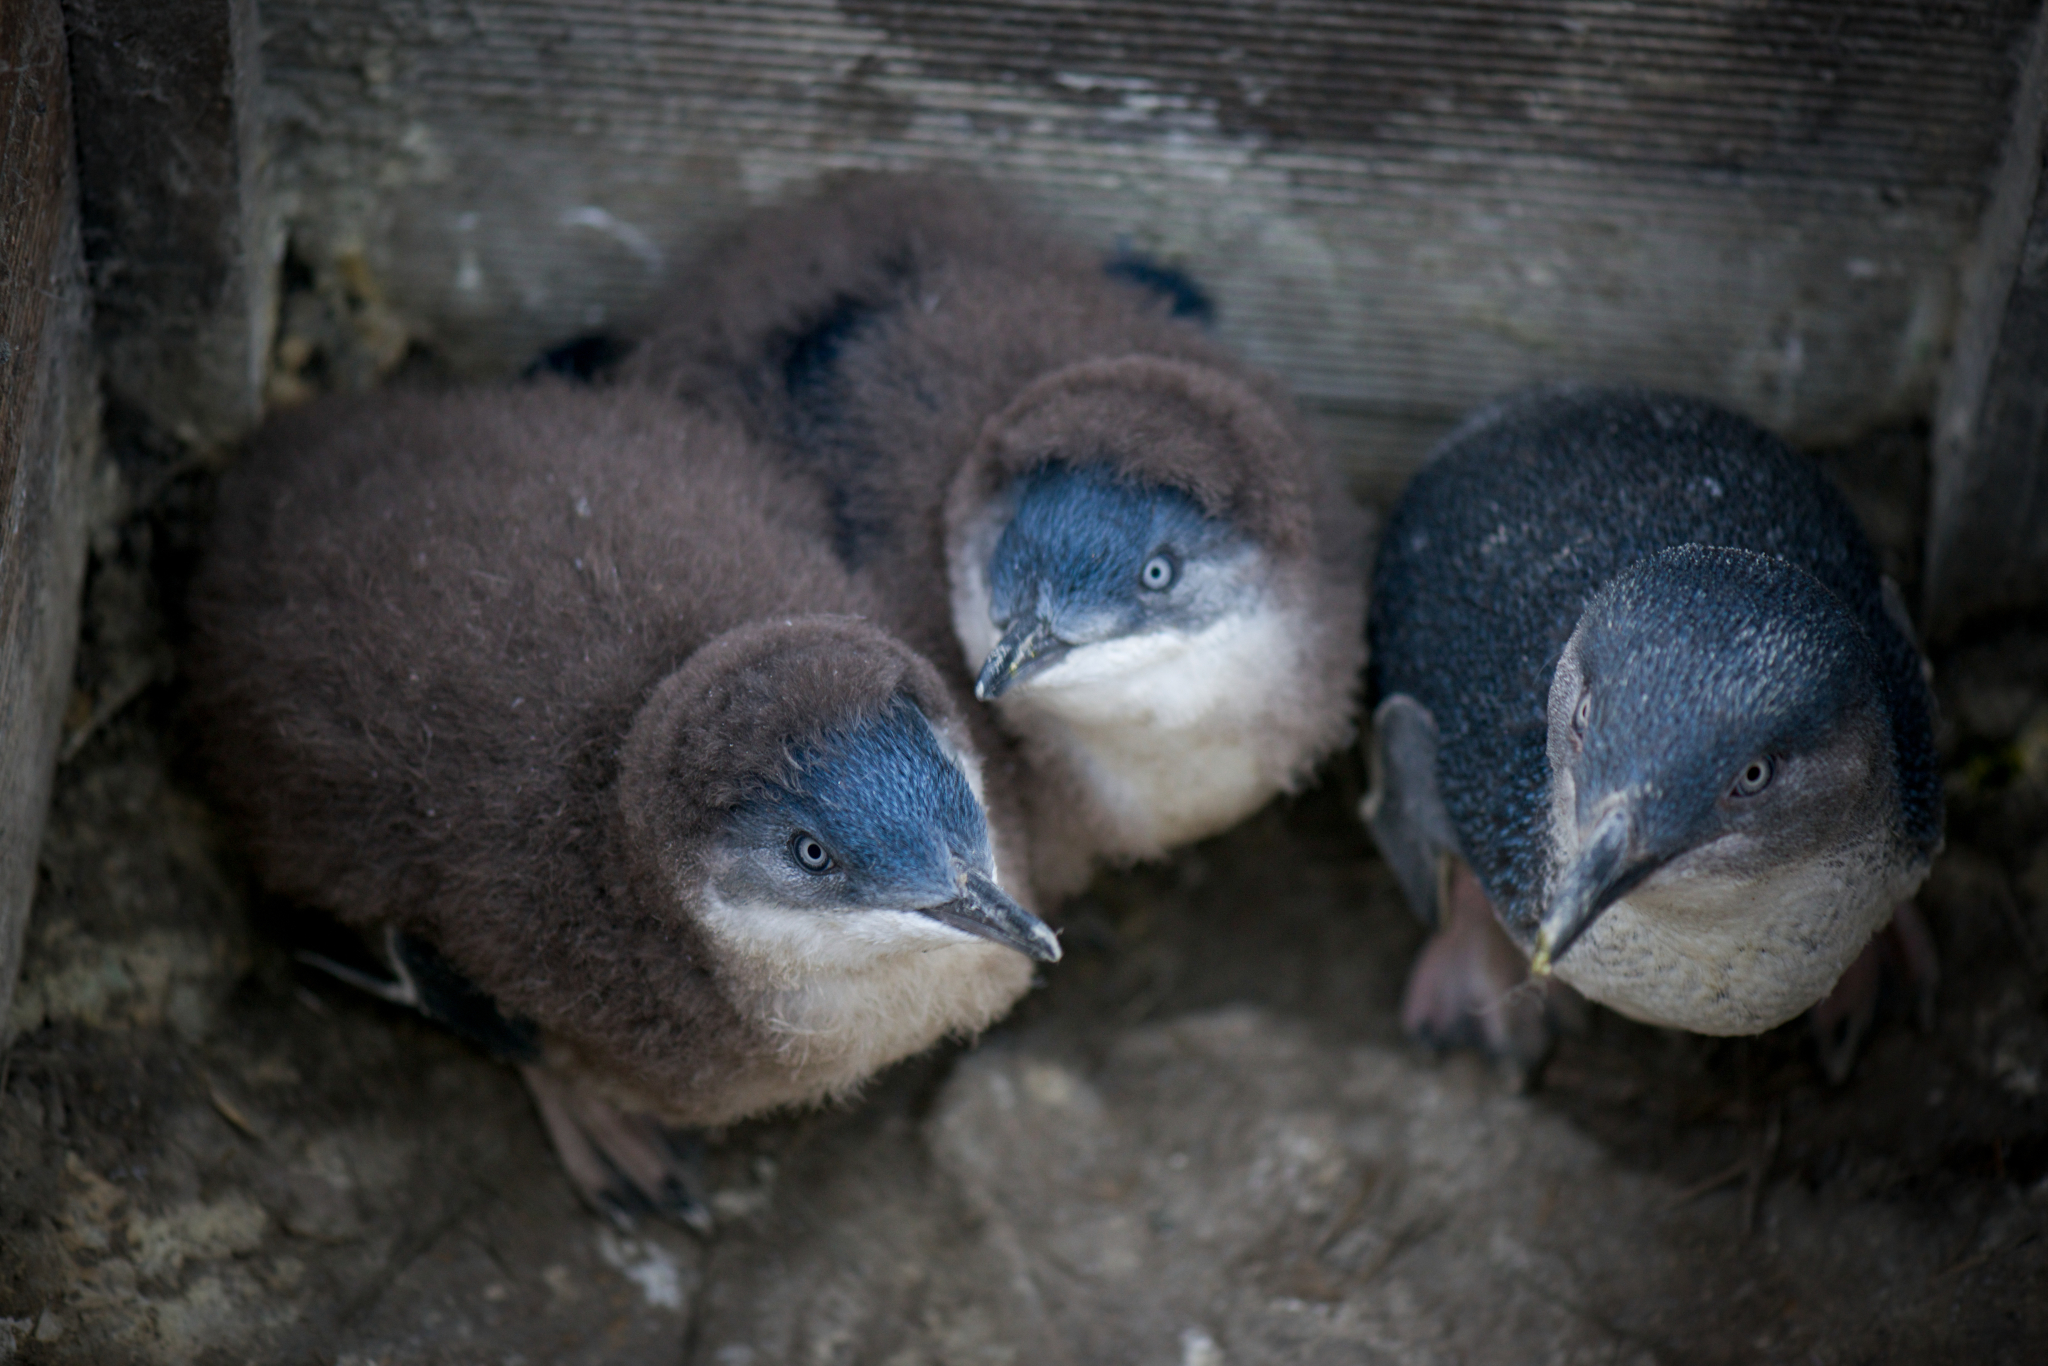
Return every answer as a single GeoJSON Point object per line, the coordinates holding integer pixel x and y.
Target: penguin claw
{"type": "Point", "coordinates": [624, 1204]}
{"type": "Point", "coordinates": [620, 1206]}
{"type": "Point", "coordinates": [624, 1167]}
{"type": "Point", "coordinates": [1470, 987]}
{"type": "Point", "coordinates": [1902, 954]}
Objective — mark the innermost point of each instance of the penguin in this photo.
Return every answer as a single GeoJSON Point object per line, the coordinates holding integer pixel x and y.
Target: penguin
{"type": "Point", "coordinates": [1646, 714]}
{"type": "Point", "coordinates": [1108, 528]}
{"type": "Point", "coordinates": [561, 700]}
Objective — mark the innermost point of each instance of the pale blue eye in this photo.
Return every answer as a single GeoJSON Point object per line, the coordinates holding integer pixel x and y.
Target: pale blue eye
{"type": "Point", "coordinates": [806, 850]}
{"type": "Point", "coordinates": [1159, 573]}
{"type": "Point", "coordinates": [1756, 775]}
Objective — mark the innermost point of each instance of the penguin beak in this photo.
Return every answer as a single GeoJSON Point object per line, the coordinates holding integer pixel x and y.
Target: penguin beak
{"type": "Point", "coordinates": [983, 909]}
{"type": "Point", "coordinates": [1608, 867]}
{"type": "Point", "coordinates": [1026, 648]}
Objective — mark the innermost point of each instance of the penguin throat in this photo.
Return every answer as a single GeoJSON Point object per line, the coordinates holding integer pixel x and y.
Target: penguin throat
{"type": "Point", "coordinates": [1171, 735]}
{"type": "Point", "coordinates": [838, 995]}
{"type": "Point", "coordinates": [1720, 953]}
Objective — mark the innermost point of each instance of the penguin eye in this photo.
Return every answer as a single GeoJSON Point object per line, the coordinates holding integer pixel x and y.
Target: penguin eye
{"type": "Point", "coordinates": [1159, 572]}
{"type": "Point", "coordinates": [805, 848]}
{"type": "Point", "coordinates": [1582, 714]}
{"type": "Point", "coordinates": [1756, 775]}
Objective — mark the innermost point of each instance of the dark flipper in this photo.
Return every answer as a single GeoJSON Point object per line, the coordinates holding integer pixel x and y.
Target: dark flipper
{"type": "Point", "coordinates": [1186, 298]}
{"type": "Point", "coordinates": [420, 978]}
{"type": "Point", "coordinates": [1470, 985]}
{"type": "Point", "coordinates": [1404, 809]}
{"type": "Point", "coordinates": [810, 357]}
{"type": "Point", "coordinates": [625, 1167]}
{"type": "Point", "coordinates": [814, 402]}
{"type": "Point", "coordinates": [587, 358]}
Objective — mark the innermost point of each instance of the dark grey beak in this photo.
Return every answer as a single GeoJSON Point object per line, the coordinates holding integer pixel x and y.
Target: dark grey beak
{"type": "Point", "coordinates": [983, 909]}
{"type": "Point", "coordinates": [1607, 868]}
{"type": "Point", "coordinates": [1027, 647]}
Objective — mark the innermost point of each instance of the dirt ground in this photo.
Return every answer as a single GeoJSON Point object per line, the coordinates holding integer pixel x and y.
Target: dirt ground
{"type": "Point", "coordinates": [1202, 1142]}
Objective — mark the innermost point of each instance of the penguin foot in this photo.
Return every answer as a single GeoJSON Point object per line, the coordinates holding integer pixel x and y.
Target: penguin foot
{"type": "Point", "coordinates": [1901, 955]}
{"type": "Point", "coordinates": [1470, 986]}
{"type": "Point", "coordinates": [626, 1167]}
{"type": "Point", "coordinates": [1911, 959]}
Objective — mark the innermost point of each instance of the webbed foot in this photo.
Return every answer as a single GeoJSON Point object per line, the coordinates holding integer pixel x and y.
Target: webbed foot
{"type": "Point", "coordinates": [625, 1167]}
{"type": "Point", "coordinates": [1901, 956]}
{"type": "Point", "coordinates": [1470, 986]}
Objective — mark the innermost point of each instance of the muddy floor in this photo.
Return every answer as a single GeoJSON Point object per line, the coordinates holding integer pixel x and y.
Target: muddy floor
{"type": "Point", "coordinates": [1202, 1142]}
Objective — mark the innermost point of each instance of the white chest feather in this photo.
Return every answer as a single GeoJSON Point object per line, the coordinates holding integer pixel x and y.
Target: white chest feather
{"type": "Point", "coordinates": [1168, 736]}
{"type": "Point", "coordinates": [1719, 955]}
{"type": "Point", "coordinates": [845, 993]}
{"type": "Point", "coordinates": [1169, 731]}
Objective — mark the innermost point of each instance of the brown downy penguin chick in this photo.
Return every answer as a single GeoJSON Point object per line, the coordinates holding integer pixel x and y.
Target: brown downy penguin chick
{"type": "Point", "coordinates": [548, 693]}
{"type": "Point", "coordinates": [1106, 525]}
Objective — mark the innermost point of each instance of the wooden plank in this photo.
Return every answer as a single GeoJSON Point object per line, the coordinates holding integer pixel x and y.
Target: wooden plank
{"type": "Point", "coordinates": [48, 425]}
{"type": "Point", "coordinates": [176, 233]}
{"type": "Point", "coordinates": [1987, 544]}
{"type": "Point", "coordinates": [1404, 206]}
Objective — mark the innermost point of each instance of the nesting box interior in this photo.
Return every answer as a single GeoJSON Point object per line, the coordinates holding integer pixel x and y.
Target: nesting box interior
{"type": "Point", "coordinates": [1204, 1140]}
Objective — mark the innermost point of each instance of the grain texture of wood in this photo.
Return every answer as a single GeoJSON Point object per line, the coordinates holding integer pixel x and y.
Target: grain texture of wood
{"type": "Point", "coordinates": [1403, 206]}
{"type": "Point", "coordinates": [48, 425]}
{"type": "Point", "coordinates": [176, 228]}
{"type": "Point", "coordinates": [1987, 545]}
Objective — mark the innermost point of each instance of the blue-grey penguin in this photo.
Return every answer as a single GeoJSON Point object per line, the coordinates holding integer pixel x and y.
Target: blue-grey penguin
{"type": "Point", "coordinates": [563, 701]}
{"type": "Point", "coordinates": [1635, 668]}
{"type": "Point", "coordinates": [1109, 527]}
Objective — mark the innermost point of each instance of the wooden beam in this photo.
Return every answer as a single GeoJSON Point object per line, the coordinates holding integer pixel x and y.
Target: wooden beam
{"type": "Point", "coordinates": [1401, 207]}
{"type": "Point", "coordinates": [1987, 541]}
{"type": "Point", "coordinates": [175, 234]}
{"type": "Point", "coordinates": [48, 427]}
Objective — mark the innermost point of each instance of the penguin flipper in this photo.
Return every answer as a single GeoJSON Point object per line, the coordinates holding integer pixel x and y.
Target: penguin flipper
{"type": "Point", "coordinates": [1404, 808]}
{"type": "Point", "coordinates": [459, 1005]}
{"type": "Point", "coordinates": [586, 358]}
{"type": "Point", "coordinates": [421, 979]}
{"type": "Point", "coordinates": [1184, 297]}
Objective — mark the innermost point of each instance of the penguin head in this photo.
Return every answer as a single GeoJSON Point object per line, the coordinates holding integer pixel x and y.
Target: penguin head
{"type": "Point", "coordinates": [1093, 564]}
{"type": "Point", "coordinates": [805, 789]}
{"type": "Point", "coordinates": [876, 824]}
{"type": "Point", "coordinates": [1722, 772]}
{"type": "Point", "coordinates": [1132, 538]}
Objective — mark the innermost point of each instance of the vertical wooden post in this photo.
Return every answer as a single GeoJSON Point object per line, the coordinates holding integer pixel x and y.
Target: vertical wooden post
{"type": "Point", "coordinates": [1987, 541]}
{"type": "Point", "coordinates": [175, 236]}
{"type": "Point", "coordinates": [48, 436]}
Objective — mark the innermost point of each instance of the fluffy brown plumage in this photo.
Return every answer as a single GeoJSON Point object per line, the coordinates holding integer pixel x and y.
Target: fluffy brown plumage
{"type": "Point", "coordinates": [916, 345]}
{"type": "Point", "coordinates": [495, 668]}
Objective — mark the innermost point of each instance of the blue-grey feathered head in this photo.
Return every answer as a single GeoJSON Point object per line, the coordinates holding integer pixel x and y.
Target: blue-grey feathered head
{"type": "Point", "coordinates": [878, 816]}
{"type": "Point", "coordinates": [1710, 698]}
{"type": "Point", "coordinates": [1089, 557]}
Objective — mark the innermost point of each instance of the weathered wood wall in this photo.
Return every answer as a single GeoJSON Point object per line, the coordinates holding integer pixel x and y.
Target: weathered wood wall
{"type": "Point", "coordinates": [177, 232]}
{"type": "Point", "coordinates": [1987, 545]}
{"type": "Point", "coordinates": [1404, 205]}
{"type": "Point", "coordinates": [48, 427]}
